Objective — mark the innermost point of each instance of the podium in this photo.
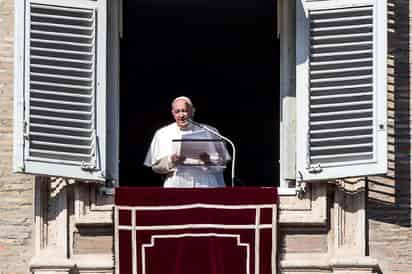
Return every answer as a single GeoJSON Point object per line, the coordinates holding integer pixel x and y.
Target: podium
{"type": "Point", "coordinates": [195, 231]}
{"type": "Point", "coordinates": [192, 148]}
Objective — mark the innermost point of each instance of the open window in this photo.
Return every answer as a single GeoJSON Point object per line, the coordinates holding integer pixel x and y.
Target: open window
{"type": "Point", "coordinates": [329, 114]}
{"type": "Point", "coordinates": [66, 121]}
{"type": "Point", "coordinates": [221, 53]}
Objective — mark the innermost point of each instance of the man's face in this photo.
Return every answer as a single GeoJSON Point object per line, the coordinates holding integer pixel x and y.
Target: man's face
{"type": "Point", "coordinates": [182, 112]}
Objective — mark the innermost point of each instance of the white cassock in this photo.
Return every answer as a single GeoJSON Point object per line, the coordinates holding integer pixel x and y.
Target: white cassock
{"type": "Point", "coordinates": [159, 159]}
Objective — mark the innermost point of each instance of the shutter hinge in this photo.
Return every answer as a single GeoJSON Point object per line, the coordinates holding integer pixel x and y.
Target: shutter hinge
{"type": "Point", "coordinates": [26, 134]}
{"type": "Point", "coordinates": [108, 187]}
{"type": "Point", "coordinates": [315, 168]}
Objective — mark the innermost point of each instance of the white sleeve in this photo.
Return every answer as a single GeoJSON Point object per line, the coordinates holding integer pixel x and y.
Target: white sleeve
{"type": "Point", "coordinates": [160, 148]}
{"type": "Point", "coordinates": [150, 153]}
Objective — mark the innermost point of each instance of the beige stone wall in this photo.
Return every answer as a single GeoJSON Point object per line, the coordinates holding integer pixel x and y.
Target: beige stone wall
{"type": "Point", "coordinates": [389, 208]}
{"type": "Point", "coordinates": [16, 193]}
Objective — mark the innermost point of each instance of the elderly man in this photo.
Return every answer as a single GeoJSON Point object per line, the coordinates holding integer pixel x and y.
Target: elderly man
{"type": "Point", "coordinates": [162, 158]}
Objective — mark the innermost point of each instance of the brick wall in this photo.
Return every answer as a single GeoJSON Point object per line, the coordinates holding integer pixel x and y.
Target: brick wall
{"type": "Point", "coordinates": [389, 207]}
{"type": "Point", "coordinates": [16, 194]}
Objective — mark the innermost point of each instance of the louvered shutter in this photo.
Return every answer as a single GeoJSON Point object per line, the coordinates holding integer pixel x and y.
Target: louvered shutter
{"type": "Point", "coordinates": [341, 88]}
{"type": "Point", "coordinates": [60, 88]}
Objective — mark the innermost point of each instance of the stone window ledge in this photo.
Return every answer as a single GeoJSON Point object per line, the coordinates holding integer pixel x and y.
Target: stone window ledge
{"type": "Point", "coordinates": [311, 209]}
{"type": "Point", "coordinates": [96, 262]}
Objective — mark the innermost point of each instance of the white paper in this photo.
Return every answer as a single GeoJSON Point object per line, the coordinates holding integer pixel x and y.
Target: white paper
{"type": "Point", "coordinates": [193, 149]}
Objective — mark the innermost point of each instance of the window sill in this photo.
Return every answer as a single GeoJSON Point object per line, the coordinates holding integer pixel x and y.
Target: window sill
{"type": "Point", "coordinates": [287, 191]}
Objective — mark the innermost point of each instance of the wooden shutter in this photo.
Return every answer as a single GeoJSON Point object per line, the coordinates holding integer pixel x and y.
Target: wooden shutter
{"type": "Point", "coordinates": [341, 88]}
{"type": "Point", "coordinates": [60, 88]}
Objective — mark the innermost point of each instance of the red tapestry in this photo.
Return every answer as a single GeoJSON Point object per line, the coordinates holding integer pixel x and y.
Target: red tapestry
{"type": "Point", "coordinates": [195, 231]}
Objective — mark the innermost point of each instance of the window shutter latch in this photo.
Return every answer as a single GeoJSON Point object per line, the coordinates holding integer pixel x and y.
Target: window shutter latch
{"type": "Point", "coordinates": [88, 166]}
{"type": "Point", "coordinates": [316, 168]}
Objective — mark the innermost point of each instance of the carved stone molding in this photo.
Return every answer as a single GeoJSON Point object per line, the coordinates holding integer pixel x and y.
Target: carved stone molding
{"type": "Point", "coordinates": [340, 221]}
{"type": "Point", "coordinates": [311, 209]}
{"type": "Point", "coordinates": [349, 224]}
{"type": "Point", "coordinates": [323, 264]}
{"type": "Point", "coordinates": [354, 265]}
{"type": "Point", "coordinates": [92, 206]}
{"type": "Point", "coordinates": [350, 220]}
{"type": "Point", "coordinates": [64, 244]}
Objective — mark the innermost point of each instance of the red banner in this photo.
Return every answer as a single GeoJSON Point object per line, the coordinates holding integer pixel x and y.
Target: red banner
{"type": "Point", "coordinates": [195, 231]}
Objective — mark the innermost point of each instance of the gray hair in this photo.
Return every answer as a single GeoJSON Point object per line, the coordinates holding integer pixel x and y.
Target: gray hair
{"type": "Point", "coordinates": [184, 98]}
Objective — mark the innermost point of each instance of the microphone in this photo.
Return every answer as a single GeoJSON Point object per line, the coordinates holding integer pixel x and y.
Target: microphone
{"type": "Point", "coordinates": [214, 132]}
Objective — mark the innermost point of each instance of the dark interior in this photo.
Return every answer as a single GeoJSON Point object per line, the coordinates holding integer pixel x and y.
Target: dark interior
{"type": "Point", "coordinates": [221, 53]}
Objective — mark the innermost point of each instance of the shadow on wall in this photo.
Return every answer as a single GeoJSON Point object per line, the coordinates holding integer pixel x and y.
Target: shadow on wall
{"type": "Point", "coordinates": [389, 197]}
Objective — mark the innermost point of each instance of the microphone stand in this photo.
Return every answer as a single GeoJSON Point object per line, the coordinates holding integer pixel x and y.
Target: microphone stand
{"type": "Point", "coordinates": [214, 132]}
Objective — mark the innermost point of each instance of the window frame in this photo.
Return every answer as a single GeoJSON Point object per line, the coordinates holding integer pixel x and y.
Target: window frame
{"type": "Point", "coordinates": [287, 109]}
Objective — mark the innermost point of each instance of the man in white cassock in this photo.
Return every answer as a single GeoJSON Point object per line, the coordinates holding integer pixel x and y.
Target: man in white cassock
{"type": "Point", "coordinates": [163, 158]}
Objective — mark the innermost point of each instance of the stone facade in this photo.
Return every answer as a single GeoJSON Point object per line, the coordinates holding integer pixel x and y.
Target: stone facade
{"type": "Point", "coordinates": [323, 232]}
{"type": "Point", "coordinates": [73, 222]}
{"type": "Point", "coordinates": [16, 191]}
{"type": "Point", "coordinates": [389, 205]}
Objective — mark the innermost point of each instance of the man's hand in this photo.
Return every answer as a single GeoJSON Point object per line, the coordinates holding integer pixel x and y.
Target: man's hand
{"type": "Point", "coordinates": [205, 158]}
{"type": "Point", "coordinates": [177, 159]}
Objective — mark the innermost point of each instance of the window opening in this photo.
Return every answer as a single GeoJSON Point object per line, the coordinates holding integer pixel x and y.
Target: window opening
{"type": "Point", "coordinates": [222, 54]}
